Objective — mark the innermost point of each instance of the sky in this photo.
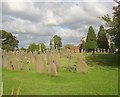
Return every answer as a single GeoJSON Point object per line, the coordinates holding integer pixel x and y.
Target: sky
{"type": "Point", "coordinates": [37, 21]}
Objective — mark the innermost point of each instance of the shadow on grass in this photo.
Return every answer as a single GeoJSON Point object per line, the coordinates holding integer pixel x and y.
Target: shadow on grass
{"type": "Point", "coordinates": [110, 60]}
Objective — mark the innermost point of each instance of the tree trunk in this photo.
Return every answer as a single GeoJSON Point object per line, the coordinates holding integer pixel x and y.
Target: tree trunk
{"type": "Point", "coordinates": [94, 55]}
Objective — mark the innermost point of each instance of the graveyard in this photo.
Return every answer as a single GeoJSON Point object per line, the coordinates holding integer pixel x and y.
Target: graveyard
{"type": "Point", "coordinates": [59, 48]}
{"type": "Point", "coordinates": [101, 77]}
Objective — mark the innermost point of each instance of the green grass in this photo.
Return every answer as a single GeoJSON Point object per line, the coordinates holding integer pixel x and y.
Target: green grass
{"type": "Point", "coordinates": [100, 80]}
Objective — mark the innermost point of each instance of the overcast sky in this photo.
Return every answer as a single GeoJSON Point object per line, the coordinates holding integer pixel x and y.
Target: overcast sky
{"type": "Point", "coordinates": [35, 22]}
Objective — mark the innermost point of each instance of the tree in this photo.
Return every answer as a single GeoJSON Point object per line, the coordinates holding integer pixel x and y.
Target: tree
{"type": "Point", "coordinates": [91, 40]}
{"type": "Point", "coordinates": [102, 39]}
{"type": "Point", "coordinates": [9, 42]}
{"type": "Point", "coordinates": [42, 47]}
{"type": "Point", "coordinates": [57, 42]}
{"type": "Point", "coordinates": [113, 24]}
{"type": "Point", "coordinates": [33, 47]}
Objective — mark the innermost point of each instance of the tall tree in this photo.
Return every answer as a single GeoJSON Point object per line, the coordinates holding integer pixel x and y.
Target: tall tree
{"type": "Point", "coordinates": [91, 40]}
{"type": "Point", "coordinates": [113, 24]}
{"type": "Point", "coordinates": [102, 39]}
{"type": "Point", "coordinates": [57, 42]}
{"type": "Point", "coordinates": [9, 42]}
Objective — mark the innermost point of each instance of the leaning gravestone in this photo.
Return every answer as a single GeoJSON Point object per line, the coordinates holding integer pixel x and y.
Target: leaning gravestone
{"type": "Point", "coordinates": [82, 66]}
{"type": "Point", "coordinates": [52, 70]}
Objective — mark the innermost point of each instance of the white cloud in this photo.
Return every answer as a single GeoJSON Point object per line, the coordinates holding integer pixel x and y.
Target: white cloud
{"type": "Point", "coordinates": [70, 20]}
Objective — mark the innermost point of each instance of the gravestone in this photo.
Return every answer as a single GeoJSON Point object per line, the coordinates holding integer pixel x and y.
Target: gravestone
{"type": "Point", "coordinates": [108, 51]}
{"type": "Point", "coordinates": [101, 50]}
{"type": "Point", "coordinates": [82, 66]}
{"type": "Point", "coordinates": [98, 50]}
{"type": "Point", "coordinates": [15, 61]}
{"type": "Point", "coordinates": [44, 57]}
{"type": "Point", "coordinates": [29, 55]}
{"type": "Point", "coordinates": [39, 64]}
{"type": "Point", "coordinates": [69, 62]}
{"type": "Point", "coordinates": [57, 61]}
{"type": "Point", "coordinates": [48, 58]}
{"type": "Point", "coordinates": [25, 64]}
{"type": "Point", "coordinates": [104, 51]}
{"type": "Point", "coordinates": [52, 70]}
{"type": "Point", "coordinates": [34, 57]}
{"type": "Point", "coordinates": [4, 58]}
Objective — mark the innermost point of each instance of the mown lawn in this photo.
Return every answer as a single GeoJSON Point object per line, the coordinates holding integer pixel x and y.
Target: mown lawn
{"type": "Point", "coordinates": [102, 79]}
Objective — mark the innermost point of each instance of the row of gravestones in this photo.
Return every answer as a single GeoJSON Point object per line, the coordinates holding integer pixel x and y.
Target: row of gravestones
{"type": "Point", "coordinates": [50, 61]}
{"type": "Point", "coordinates": [100, 50]}
{"type": "Point", "coordinates": [22, 60]}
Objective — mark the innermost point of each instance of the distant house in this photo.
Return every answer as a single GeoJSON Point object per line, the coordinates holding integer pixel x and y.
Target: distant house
{"type": "Point", "coordinates": [75, 49]}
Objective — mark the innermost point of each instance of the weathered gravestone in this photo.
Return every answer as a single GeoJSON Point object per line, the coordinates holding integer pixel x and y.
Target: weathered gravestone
{"type": "Point", "coordinates": [39, 64]}
{"type": "Point", "coordinates": [13, 60]}
{"type": "Point", "coordinates": [34, 57]}
{"type": "Point", "coordinates": [98, 50]}
{"type": "Point", "coordinates": [4, 58]}
{"type": "Point", "coordinates": [44, 58]}
{"type": "Point", "coordinates": [57, 61]}
{"type": "Point", "coordinates": [25, 64]}
{"type": "Point", "coordinates": [82, 66]}
{"type": "Point", "coordinates": [52, 70]}
{"type": "Point", "coordinates": [48, 57]}
{"type": "Point", "coordinates": [29, 55]}
{"type": "Point", "coordinates": [104, 51]}
{"type": "Point", "coordinates": [69, 67]}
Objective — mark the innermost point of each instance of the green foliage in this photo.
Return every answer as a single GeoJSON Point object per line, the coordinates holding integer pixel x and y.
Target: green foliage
{"type": "Point", "coordinates": [102, 39]}
{"type": "Point", "coordinates": [114, 24]}
{"type": "Point", "coordinates": [9, 42]}
{"type": "Point", "coordinates": [57, 41]}
{"type": "Point", "coordinates": [91, 41]}
{"type": "Point", "coordinates": [104, 60]}
{"type": "Point", "coordinates": [33, 47]}
{"type": "Point", "coordinates": [42, 47]}
{"type": "Point", "coordinates": [37, 47]}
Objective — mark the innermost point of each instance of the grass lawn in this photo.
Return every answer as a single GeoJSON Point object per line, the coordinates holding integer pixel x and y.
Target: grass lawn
{"type": "Point", "coordinates": [102, 79]}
